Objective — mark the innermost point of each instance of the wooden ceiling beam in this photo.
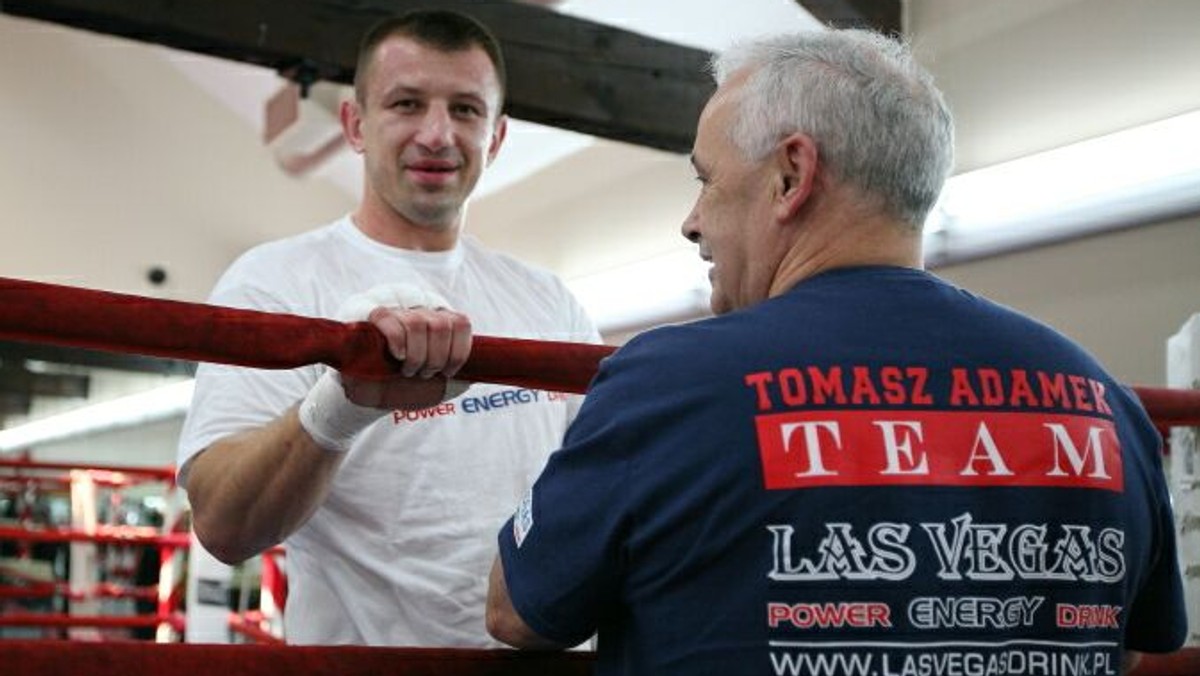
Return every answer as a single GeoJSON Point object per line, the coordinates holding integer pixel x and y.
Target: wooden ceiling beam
{"type": "Point", "coordinates": [563, 71]}
{"type": "Point", "coordinates": [884, 16]}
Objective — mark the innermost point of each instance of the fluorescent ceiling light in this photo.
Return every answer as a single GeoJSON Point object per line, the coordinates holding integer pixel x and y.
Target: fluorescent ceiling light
{"type": "Point", "coordinates": [1139, 175]}
{"type": "Point", "coordinates": [130, 411]}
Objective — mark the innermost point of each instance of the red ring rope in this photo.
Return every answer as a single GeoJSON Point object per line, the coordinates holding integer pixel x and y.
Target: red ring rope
{"type": "Point", "coordinates": [176, 620]}
{"type": "Point", "coordinates": [115, 322]}
{"type": "Point", "coordinates": [103, 320]}
{"type": "Point", "coordinates": [1171, 407]}
{"type": "Point", "coordinates": [112, 535]}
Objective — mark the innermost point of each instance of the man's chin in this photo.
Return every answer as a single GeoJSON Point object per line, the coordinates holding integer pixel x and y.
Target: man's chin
{"type": "Point", "coordinates": [434, 216]}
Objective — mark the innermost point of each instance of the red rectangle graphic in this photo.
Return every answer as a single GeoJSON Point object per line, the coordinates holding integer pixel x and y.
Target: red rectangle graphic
{"type": "Point", "coordinates": [940, 448]}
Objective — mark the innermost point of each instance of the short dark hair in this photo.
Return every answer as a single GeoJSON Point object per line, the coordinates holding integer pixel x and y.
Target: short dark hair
{"type": "Point", "coordinates": [441, 29]}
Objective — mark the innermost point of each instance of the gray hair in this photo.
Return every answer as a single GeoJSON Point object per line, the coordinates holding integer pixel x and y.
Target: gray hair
{"type": "Point", "coordinates": [879, 122]}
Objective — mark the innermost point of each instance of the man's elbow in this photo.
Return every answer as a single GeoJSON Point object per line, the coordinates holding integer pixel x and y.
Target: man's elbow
{"type": "Point", "coordinates": [221, 541]}
{"type": "Point", "coordinates": [506, 626]}
{"type": "Point", "coordinates": [222, 533]}
{"type": "Point", "coordinates": [501, 626]}
{"type": "Point", "coordinates": [503, 621]}
{"type": "Point", "coordinates": [227, 539]}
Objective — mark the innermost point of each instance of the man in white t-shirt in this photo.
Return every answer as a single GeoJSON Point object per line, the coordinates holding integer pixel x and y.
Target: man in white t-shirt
{"type": "Point", "coordinates": [388, 494]}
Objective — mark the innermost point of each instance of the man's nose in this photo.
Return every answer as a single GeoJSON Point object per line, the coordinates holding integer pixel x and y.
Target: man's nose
{"type": "Point", "coordinates": [437, 128]}
{"type": "Point", "coordinates": [689, 229]}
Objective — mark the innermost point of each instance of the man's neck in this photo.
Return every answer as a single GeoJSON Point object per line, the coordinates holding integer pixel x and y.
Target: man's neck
{"type": "Point", "coordinates": [387, 226]}
{"type": "Point", "coordinates": [855, 240]}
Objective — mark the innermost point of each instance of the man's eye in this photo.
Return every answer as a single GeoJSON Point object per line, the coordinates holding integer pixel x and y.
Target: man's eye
{"type": "Point", "coordinates": [466, 110]}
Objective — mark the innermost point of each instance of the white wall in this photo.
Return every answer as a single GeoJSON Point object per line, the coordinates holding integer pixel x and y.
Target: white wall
{"type": "Point", "coordinates": [1120, 295]}
{"type": "Point", "coordinates": [111, 162]}
{"type": "Point", "coordinates": [1027, 76]}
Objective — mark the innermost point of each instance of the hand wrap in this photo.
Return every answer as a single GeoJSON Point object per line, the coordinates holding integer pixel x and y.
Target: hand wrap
{"type": "Point", "coordinates": [329, 417]}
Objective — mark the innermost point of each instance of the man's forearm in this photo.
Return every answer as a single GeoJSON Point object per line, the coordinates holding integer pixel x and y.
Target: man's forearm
{"type": "Point", "coordinates": [504, 623]}
{"type": "Point", "coordinates": [251, 490]}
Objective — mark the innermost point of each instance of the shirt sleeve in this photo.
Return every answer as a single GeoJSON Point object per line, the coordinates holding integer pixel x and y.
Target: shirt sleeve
{"type": "Point", "coordinates": [1157, 619]}
{"type": "Point", "coordinates": [564, 550]}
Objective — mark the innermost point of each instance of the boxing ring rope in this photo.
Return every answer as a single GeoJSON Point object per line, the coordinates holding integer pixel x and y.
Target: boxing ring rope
{"type": "Point", "coordinates": [23, 581]}
{"type": "Point", "coordinates": [101, 320]}
{"type": "Point", "coordinates": [1170, 407]}
{"type": "Point", "coordinates": [109, 474]}
{"type": "Point", "coordinates": [115, 322]}
{"type": "Point", "coordinates": [37, 589]}
{"type": "Point", "coordinates": [249, 624]}
{"type": "Point", "coordinates": [48, 658]}
{"type": "Point", "coordinates": [51, 658]}
{"type": "Point", "coordinates": [83, 318]}
{"type": "Point", "coordinates": [109, 535]}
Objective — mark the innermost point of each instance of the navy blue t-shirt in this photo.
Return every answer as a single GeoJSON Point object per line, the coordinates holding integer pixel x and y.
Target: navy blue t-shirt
{"type": "Point", "coordinates": [876, 473]}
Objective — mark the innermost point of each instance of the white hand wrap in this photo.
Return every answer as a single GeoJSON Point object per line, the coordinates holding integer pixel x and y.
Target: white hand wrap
{"type": "Point", "coordinates": [331, 419]}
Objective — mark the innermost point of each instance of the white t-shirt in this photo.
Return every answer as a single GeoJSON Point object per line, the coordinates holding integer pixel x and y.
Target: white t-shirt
{"type": "Point", "coordinates": [399, 552]}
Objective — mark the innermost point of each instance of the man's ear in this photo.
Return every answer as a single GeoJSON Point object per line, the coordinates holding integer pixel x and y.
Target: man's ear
{"type": "Point", "coordinates": [498, 134]}
{"type": "Point", "coordinates": [796, 166]}
{"type": "Point", "coordinates": [351, 118]}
